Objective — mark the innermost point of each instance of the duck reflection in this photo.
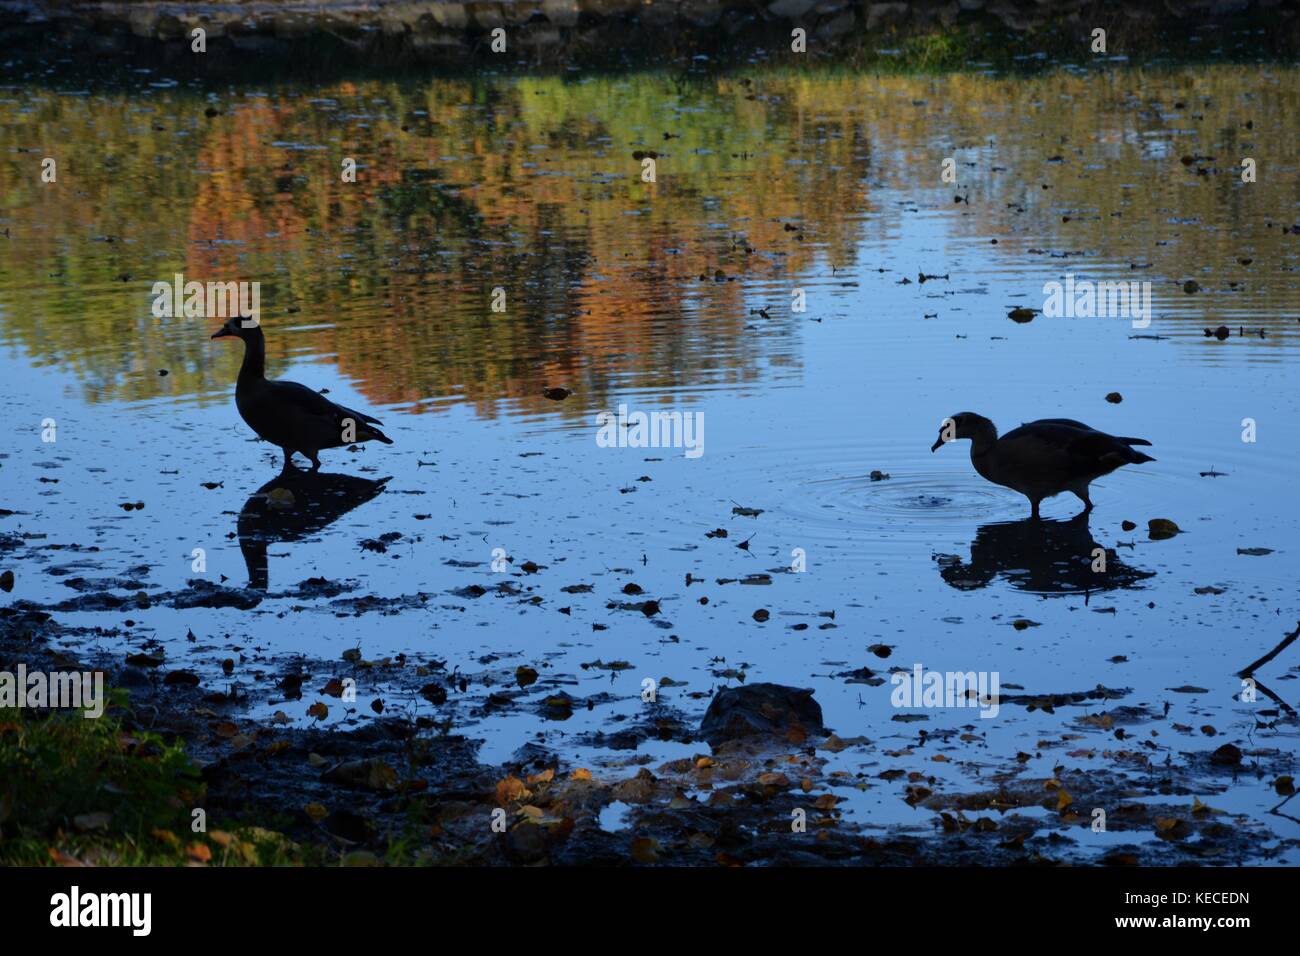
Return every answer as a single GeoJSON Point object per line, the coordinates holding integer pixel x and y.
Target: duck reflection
{"type": "Point", "coordinates": [293, 505]}
{"type": "Point", "coordinates": [1047, 557]}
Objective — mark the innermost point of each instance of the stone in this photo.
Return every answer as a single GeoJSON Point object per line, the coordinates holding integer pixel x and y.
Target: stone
{"type": "Point", "coordinates": [836, 27]}
{"type": "Point", "coordinates": [701, 13]}
{"type": "Point", "coordinates": [756, 710]}
{"type": "Point", "coordinates": [487, 16]}
{"type": "Point", "coordinates": [735, 22]}
{"type": "Point", "coordinates": [519, 12]}
{"type": "Point", "coordinates": [142, 22]}
{"type": "Point", "coordinates": [791, 9]}
{"type": "Point", "coordinates": [610, 8]}
{"type": "Point", "coordinates": [538, 37]}
{"type": "Point", "coordinates": [451, 16]}
{"type": "Point", "coordinates": [658, 14]}
{"type": "Point", "coordinates": [879, 13]}
{"type": "Point", "coordinates": [562, 13]}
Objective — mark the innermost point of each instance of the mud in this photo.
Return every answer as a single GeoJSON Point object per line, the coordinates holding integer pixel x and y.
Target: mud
{"type": "Point", "coordinates": [390, 786]}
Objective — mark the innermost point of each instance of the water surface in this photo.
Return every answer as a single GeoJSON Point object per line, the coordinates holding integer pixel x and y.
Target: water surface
{"type": "Point", "coordinates": [677, 295]}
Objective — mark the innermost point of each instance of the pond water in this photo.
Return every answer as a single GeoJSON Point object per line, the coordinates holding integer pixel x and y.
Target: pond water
{"type": "Point", "coordinates": [681, 295]}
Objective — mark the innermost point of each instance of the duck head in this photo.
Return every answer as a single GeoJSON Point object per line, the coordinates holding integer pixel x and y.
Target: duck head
{"type": "Point", "coordinates": [965, 425]}
{"type": "Point", "coordinates": [239, 327]}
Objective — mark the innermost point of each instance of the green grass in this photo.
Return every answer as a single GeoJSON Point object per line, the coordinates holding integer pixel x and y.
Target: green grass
{"type": "Point", "coordinates": [94, 791]}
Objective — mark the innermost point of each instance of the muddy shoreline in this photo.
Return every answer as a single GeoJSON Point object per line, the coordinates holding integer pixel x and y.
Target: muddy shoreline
{"type": "Point", "coordinates": [401, 787]}
{"type": "Point", "coordinates": [454, 35]}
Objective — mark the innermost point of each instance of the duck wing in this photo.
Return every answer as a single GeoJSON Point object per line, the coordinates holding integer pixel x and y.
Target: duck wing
{"type": "Point", "coordinates": [296, 416]}
{"type": "Point", "coordinates": [313, 403]}
{"type": "Point", "coordinates": [1059, 451]}
{"type": "Point", "coordinates": [1071, 423]}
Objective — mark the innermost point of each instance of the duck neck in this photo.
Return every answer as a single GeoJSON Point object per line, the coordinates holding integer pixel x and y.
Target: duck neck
{"type": "Point", "coordinates": [983, 440]}
{"type": "Point", "coordinates": [254, 367]}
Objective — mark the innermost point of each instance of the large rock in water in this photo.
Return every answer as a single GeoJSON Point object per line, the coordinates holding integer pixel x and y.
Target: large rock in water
{"type": "Point", "coordinates": [753, 710]}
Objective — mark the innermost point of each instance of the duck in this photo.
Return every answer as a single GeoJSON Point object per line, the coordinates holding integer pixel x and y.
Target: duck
{"type": "Point", "coordinates": [289, 415]}
{"type": "Point", "coordinates": [1044, 458]}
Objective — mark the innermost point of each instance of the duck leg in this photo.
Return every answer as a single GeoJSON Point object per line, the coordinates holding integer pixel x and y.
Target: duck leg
{"type": "Point", "coordinates": [1082, 495]}
{"type": "Point", "coordinates": [314, 459]}
{"type": "Point", "coordinates": [288, 461]}
{"type": "Point", "coordinates": [1034, 505]}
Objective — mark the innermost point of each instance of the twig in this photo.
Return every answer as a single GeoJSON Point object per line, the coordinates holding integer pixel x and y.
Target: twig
{"type": "Point", "coordinates": [1286, 642]}
{"type": "Point", "coordinates": [1274, 698]}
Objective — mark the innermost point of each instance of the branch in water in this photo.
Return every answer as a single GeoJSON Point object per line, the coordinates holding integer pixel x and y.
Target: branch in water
{"type": "Point", "coordinates": [1286, 642]}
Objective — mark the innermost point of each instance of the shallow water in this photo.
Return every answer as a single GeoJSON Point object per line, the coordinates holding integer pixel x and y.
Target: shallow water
{"type": "Point", "coordinates": [647, 294]}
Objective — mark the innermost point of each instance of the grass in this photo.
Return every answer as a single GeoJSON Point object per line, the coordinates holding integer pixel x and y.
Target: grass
{"type": "Point", "coordinates": [91, 791]}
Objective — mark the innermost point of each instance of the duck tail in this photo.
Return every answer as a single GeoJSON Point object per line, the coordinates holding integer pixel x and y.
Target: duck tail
{"type": "Point", "coordinates": [1135, 441]}
{"type": "Point", "coordinates": [1138, 457]}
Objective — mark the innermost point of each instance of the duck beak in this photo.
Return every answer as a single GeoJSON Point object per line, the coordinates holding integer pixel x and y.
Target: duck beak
{"type": "Point", "coordinates": [221, 333]}
{"type": "Point", "coordinates": [937, 445]}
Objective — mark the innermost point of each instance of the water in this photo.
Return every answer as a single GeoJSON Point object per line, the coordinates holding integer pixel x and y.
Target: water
{"type": "Point", "coordinates": [647, 294]}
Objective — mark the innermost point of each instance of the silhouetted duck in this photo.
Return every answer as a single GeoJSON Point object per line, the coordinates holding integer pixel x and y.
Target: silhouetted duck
{"type": "Point", "coordinates": [1043, 458]}
{"type": "Point", "coordinates": [287, 414]}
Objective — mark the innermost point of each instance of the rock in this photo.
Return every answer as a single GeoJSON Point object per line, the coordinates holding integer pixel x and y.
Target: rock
{"type": "Point", "coordinates": [791, 9]}
{"type": "Point", "coordinates": [838, 26]}
{"type": "Point", "coordinates": [658, 14]}
{"type": "Point", "coordinates": [611, 8]}
{"type": "Point", "coordinates": [131, 677]}
{"type": "Point", "coordinates": [1226, 756]}
{"type": "Point", "coordinates": [737, 21]}
{"type": "Point", "coordinates": [879, 13]}
{"type": "Point", "coordinates": [1161, 528]}
{"type": "Point", "coordinates": [372, 774]}
{"type": "Point", "coordinates": [760, 710]}
{"type": "Point", "coordinates": [487, 16]}
{"type": "Point", "coordinates": [537, 37]}
{"type": "Point", "coordinates": [451, 16]}
{"type": "Point", "coordinates": [562, 13]}
{"type": "Point", "coordinates": [701, 13]}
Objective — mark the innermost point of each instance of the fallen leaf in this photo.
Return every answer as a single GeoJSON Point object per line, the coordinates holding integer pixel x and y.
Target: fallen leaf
{"type": "Point", "coordinates": [509, 790]}
{"type": "Point", "coordinates": [199, 852]}
{"type": "Point", "coordinates": [646, 850]}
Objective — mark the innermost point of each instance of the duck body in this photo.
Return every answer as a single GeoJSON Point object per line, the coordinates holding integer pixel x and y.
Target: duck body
{"type": "Point", "coordinates": [290, 416]}
{"type": "Point", "coordinates": [1044, 458]}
